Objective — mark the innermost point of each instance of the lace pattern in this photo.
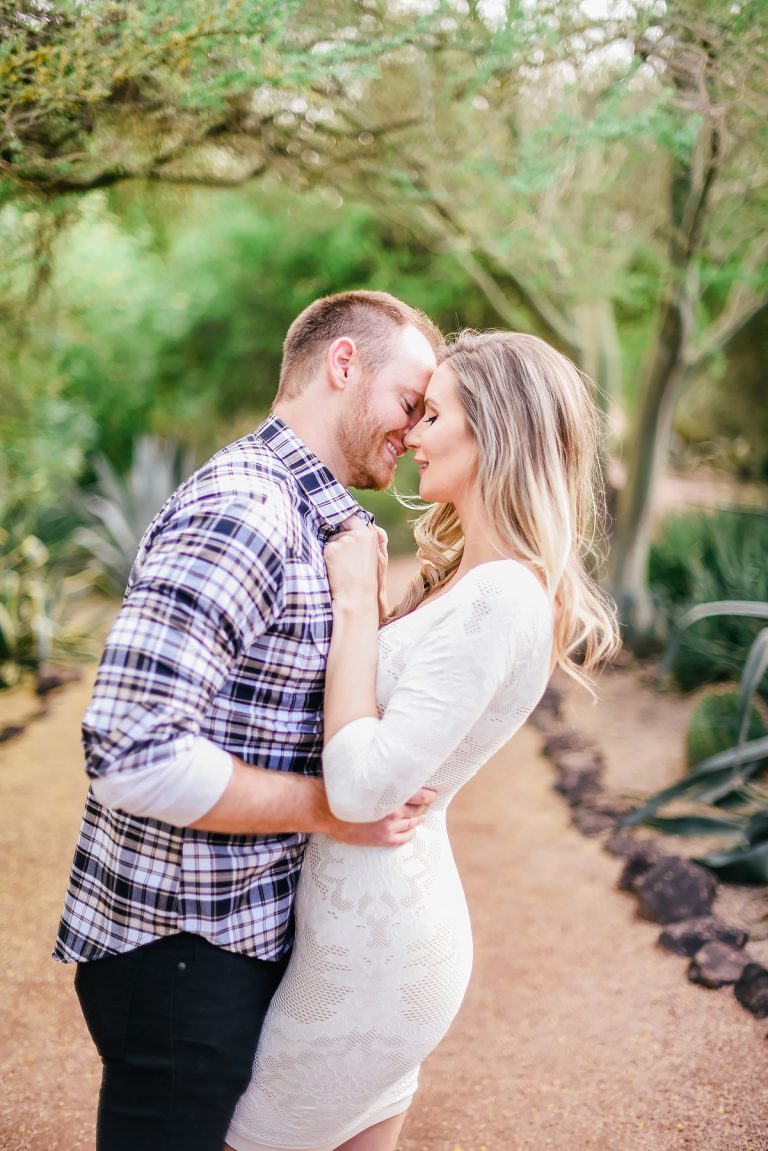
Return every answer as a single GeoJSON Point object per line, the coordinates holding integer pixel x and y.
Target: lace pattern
{"type": "Point", "coordinates": [383, 949]}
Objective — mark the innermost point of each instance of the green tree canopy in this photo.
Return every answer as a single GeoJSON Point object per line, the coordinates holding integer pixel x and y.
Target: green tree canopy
{"type": "Point", "coordinates": [93, 93]}
{"type": "Point", "coordinates": [598, 177]}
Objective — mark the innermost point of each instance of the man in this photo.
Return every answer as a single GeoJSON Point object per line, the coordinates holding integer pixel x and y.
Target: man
{"type": "Point", "coordinates": [204, 733]}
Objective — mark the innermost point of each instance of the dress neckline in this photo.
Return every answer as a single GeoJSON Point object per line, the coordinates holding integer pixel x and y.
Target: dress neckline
{"type": "Point", "coordinates": [478, 567]}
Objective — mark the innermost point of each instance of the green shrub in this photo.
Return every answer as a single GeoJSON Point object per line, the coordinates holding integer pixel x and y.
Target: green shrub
{"type": "Point", "coordinates": [701, 557]}
{"type": "Point", "coordinates": [714, 725]}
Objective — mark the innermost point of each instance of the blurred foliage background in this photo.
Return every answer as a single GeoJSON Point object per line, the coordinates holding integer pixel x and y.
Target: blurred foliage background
{"type": "Point", "coordinates": [178, 181]}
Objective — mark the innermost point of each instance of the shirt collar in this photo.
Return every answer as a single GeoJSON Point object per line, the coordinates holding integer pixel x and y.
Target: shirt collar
{"type": "Point", "coordinates": [332, 501]}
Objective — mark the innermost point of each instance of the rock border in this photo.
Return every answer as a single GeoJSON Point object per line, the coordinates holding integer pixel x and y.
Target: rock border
{"type": "Point", "coordinates": [670, 890]}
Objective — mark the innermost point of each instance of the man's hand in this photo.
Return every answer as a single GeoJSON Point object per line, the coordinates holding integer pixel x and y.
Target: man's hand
{"type": "Point", "coordinates": [393, 830]}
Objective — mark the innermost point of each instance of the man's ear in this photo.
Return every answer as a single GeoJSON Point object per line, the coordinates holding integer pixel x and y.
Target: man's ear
{"type": "Point", "coordinates": [341, 362]}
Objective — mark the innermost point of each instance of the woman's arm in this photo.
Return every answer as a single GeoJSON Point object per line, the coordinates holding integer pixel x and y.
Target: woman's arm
{"type": "Point", "coordinates": [381, 573]}
{"type": "Point", "coordinates": [352, 559]}
{"type": "Point", "coordinates": [498, 629]}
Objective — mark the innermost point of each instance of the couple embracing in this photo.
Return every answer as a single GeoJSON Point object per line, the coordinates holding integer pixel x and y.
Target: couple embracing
{"type": "Point", "coordinates": [269, 928]}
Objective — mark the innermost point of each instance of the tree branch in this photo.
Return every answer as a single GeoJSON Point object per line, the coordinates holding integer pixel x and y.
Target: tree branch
{"type": "Point", "coordinates": [456, 236]}
{"type": "Point", "coordinates": [741, 307]}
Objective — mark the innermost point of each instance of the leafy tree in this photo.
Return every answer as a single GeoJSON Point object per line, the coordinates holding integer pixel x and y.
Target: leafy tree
{"type": "Point", "coordinates": [725, 418]}
{"type": "Point", "coordinates": [164, 312]}
{"type": "Point", "coordinates": [43, 434]}
{"type": "Point", "coordinates": [598, 178]}
{"type": "Point", "coordinates": [595, 177]}
{"type": "Point", "coordinates": [94, 93]}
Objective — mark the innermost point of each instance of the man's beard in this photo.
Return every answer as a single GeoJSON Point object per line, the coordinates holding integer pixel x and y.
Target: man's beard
{"type": "Point", "coordinates": [362, 443]}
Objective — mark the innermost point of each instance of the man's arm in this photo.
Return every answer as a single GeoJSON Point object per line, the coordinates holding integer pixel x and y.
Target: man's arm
{"type": "Point", "coordinates": [261, 802]}
{"type": "Point", "coordinates": [238, 799]}
{"type": "Point", "coordinates": [210, 585]}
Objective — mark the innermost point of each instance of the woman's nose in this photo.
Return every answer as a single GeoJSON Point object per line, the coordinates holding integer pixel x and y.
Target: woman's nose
{"type": "Point", "coordinates": [411, 439]}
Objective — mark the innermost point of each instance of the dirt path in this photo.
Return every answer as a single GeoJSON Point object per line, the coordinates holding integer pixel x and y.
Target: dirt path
{"type": "Point", "coordinates": [578, 1034]}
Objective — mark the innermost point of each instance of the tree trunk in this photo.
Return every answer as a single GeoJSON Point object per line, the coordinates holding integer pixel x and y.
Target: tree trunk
{"type": "Point", "coordinates": [599, 354]}
{"type": "Point", "coordinates": [693, 176]}
{"type": "Point", "coordinates": [632, 537]}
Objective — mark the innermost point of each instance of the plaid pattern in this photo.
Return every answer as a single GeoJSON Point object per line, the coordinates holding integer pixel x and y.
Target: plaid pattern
{"type": "Point", "coordinates": [223, 633]}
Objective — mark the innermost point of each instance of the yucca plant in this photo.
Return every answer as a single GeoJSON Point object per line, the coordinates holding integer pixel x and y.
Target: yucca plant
{"type": "Point", "coordinates": [33, 603]}
{"type": "Point", "coordinates": [120, 508]}
{"type": "Point", "coordinates": [725, 787]}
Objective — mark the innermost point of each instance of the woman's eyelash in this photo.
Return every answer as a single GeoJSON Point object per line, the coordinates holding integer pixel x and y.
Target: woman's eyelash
{"type": "Point", "coordinates": [429, 419]}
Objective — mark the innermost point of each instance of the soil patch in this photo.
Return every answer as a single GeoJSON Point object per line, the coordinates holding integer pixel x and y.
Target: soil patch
{"type": "Point", "coordinates": [578, 1032]}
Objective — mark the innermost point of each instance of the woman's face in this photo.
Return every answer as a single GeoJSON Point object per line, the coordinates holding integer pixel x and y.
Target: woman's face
{"type": "Point", "coordinates": [442, 443]}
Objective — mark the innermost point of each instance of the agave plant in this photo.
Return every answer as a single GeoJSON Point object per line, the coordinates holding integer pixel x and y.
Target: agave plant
{"type": "Point", "coordinates": [703, 557]}
{"type": "Point", "coordinates": [33, 625]}
{"type": "Point", "coordinates": [120, 508]}
{"type": "Point", "coordinates": [725, 786]}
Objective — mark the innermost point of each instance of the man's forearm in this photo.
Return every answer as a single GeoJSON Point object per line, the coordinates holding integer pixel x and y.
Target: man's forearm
{"type": "Point", "coordinates": [245, 800]}
{"type": "Point", "coordinates": [261, 802]}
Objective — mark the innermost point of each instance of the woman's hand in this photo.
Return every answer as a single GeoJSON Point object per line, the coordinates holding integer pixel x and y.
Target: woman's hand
{"type": "Point", "coordinates": [353, 561]}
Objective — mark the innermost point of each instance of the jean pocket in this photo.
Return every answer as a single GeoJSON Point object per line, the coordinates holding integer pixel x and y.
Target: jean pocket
{"type": "Point", "coordinates": [105, 988]}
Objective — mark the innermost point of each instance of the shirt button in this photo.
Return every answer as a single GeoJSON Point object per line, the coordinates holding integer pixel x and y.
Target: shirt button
{"type": "Point", "coordinates": [182, 967]}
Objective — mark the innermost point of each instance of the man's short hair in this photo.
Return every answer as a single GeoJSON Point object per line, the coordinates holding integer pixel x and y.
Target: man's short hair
{"type": "Point", "coordinates": [369, 318]}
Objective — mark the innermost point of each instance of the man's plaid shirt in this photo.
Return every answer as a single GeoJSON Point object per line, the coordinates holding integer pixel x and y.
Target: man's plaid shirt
{"type": "Point", "coordinates": [224, 634]}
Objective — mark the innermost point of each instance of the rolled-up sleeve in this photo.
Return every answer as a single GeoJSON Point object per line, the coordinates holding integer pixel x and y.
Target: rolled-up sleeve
{"type": "Point", "coordinates": [209, 585]}
{"type": "Point", "coordinates": [178, 790]}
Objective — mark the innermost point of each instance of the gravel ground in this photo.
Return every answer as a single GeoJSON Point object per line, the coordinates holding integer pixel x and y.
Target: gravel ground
{"type": "Point", "coordinates": [578, 1033]}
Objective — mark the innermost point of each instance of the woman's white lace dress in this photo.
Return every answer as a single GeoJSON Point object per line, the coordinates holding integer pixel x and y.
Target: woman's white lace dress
{"type": "Point", "coordinates": [383, 943]}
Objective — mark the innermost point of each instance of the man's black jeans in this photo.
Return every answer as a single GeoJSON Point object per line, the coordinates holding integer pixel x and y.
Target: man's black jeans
{"type": "Point", "coordinates": [176, 1024]}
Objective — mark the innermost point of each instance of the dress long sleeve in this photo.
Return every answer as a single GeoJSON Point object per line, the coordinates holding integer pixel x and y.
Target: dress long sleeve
{"type": "Point", "coordinates": [485, 637]}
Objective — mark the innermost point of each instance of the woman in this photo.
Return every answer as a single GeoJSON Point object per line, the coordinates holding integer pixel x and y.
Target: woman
{"type": "Point", "coordinates": [507, 455]}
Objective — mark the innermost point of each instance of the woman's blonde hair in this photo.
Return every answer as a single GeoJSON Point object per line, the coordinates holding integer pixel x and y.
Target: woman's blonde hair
{"type": "Point", "coordinates": [537, 430]}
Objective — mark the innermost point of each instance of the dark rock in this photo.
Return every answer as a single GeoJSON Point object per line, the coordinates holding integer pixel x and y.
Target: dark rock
{"type": "Point", "coordinates": [716, 964]}
{"type": "Point", "coordinates": [639, 864]}
{"type": "Point", "coordinates": [578, 775]}
{"type": "Point", "coordinates": [544, 722]}
{"type": "Point", "coordinates": [552, 700]}
{"type": "Point", "coordinates": [621, 844]}
{"type": "Point", "coordinates": [567, 740]}
{"type": "Point", "coordinates": [578, 786]}
{"type": "Point", "coordinates": [688, 935]}
{"type": "Point", "coordinates": [674, 889]}
{"type": "Point", "coordinates": [10, 731]}
{"type": "Point", "coordinates": [49, 677]}
{"type": "Point", "coordinates": [546, 715]}
{"type": "Point", "coordinates": [591, 820]}
{"type": "Point", "coordinates": [577, 759]}
{"type": "Point", "coordinates": [751, 989]}
{"type": "Point", "coordinates": [624, 845]}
